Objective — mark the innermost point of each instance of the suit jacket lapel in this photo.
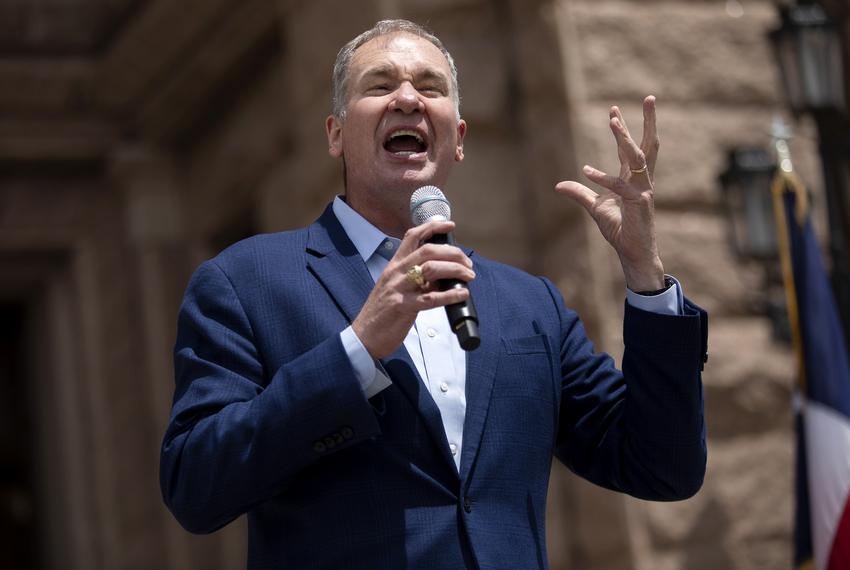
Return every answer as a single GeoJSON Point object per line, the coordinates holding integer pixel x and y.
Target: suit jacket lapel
{"type": "Point", "coordinates": [334, 260]}
{"type": "Point", "coordinates": [336, 263]}
{"type": "Point", "coordinates": [480, 371]}
{"type": "Point", "coordinates": [403, 373]}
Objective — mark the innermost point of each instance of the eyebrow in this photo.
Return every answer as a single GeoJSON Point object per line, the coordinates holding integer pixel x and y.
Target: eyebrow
{"type": "Point", "coordinates": [389, 72]}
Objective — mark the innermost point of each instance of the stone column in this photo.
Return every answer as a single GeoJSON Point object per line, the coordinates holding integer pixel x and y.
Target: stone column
{"type": "Point", "coordinates": [156, 261]}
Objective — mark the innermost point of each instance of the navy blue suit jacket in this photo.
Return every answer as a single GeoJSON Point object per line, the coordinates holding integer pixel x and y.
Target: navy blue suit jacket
{"type": "Point", "coordinates": [270, 420]}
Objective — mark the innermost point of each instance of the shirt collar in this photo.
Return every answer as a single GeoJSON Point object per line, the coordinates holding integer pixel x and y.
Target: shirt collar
{"type": "Point", "coordinates": [365, 237]}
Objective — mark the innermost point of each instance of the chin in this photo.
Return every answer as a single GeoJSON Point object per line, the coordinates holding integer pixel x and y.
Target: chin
{"type": "Point", "coordinates": [417, 178]}
{"type": "Point", "coordinates": [408, 180]}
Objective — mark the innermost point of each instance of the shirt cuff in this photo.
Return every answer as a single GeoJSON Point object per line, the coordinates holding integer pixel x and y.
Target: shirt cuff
{"type": "Point", "coordinates": [368, 372]}
{"type": "Point", "coordinates": [669, 302]}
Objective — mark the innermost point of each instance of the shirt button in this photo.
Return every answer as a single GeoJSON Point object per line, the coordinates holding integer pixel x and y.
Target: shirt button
{"type": "Point", "coordinates": [388, 244]}
{"type": "Point", "coordinates": [431, 332]}
{"type": "Point", "coordinates": [444, 387]}
{"type": "Point", "coordinates": [453, 447]}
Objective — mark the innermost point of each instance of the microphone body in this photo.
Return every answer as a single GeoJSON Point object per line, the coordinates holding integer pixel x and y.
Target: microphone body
{"type": "Point", "coordinates": [428, 203]}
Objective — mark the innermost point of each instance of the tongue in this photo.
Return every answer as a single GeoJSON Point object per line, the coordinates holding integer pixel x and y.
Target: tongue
{"type": "Point", "coordinates": [404, 144]}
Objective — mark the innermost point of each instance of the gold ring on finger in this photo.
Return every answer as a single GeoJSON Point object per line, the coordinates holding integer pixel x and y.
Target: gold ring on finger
{"type": "Point", "coordinates": [414, 275]}
{"type": "Point", "coordinates": [638, 170]}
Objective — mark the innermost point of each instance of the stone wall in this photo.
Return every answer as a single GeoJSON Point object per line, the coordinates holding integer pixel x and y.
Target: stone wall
{"type": "Point", "coordinates": [717, 87]}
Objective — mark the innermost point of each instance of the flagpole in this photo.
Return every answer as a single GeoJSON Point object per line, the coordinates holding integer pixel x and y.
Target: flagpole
{"type": "Point", "coordinates": [786, 180]}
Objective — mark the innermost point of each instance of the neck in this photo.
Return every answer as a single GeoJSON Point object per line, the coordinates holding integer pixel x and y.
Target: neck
{"type": "Point", "coordinates": [392, 219]}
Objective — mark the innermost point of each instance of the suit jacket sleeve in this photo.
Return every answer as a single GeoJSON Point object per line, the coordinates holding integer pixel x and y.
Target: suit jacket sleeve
{"type": "Point", "coordinates": [238, 433]}
{"type": "Point", "coordinates": [641, 431]}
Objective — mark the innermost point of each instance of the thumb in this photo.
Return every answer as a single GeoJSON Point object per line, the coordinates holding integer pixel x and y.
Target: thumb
{"type": "Point", "coordinates": [577, 192]}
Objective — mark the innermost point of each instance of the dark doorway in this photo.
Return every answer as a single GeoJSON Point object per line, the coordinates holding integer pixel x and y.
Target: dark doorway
{"type": "Point", "coordinates": [18, 509]}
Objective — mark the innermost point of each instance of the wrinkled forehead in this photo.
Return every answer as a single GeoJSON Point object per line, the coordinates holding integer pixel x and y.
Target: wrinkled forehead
{"type": "Point", "coordinates": [399, 49]}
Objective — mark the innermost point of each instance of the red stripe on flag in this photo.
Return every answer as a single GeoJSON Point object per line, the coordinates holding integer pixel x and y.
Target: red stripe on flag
{"type": "Point", "coordinates": [839, 557]}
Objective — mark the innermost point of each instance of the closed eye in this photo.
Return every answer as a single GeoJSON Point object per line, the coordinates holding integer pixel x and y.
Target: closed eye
{"type": "Point", "coordinates": [432, 90]}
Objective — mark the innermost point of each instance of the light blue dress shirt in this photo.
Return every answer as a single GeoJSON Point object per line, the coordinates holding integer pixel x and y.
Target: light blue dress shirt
{"type": "Point", "coordinates": [432, 346]}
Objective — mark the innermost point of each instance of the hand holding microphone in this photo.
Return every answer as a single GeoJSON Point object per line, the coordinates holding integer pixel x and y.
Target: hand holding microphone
{"type": "Point", "coordinates": [429, 204]}
{"type": "Point", "coordinates": [392, 306]}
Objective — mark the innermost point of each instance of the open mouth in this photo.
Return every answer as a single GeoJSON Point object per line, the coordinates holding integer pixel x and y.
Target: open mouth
{"type": "Point", "coordinates": [405, 142]}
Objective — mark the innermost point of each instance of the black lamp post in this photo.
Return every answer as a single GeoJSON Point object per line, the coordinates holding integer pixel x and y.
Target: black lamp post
{"type": "Point", "coordinates": [808, 48]}
{"type": "Point", "coordinates": [747, 195]}
{"type": "Point", "coordinates": [749, 204]}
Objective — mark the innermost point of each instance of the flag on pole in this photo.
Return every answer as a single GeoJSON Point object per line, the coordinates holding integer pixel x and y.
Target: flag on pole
{"type": "Point", "coordinates": [822, 534]}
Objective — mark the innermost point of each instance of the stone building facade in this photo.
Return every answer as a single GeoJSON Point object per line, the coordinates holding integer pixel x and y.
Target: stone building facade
{"type": "Point", "coordinates": [138, 138]}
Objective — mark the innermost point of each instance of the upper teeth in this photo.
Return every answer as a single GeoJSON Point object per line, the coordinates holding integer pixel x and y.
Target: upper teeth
{"type": "Point", "coordinates": [404, 132]}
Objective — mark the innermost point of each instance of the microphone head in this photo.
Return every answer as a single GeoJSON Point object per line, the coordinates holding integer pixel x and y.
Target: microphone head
{"type": "Point", "coordinates": [429, 203]}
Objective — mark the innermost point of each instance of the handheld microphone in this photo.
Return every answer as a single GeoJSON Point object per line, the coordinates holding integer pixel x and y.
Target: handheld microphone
{"type": "Point", "coordinates": [426, 204]}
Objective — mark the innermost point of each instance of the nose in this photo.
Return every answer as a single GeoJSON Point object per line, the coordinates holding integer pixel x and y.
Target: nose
{"type": "Point", "coordinates": [406, 99]}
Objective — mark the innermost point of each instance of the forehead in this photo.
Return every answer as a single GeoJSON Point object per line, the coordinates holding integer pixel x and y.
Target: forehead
{"type": "Point", "coordinates": [399, 51]}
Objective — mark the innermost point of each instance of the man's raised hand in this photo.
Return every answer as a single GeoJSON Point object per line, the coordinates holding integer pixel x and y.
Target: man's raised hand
{"type": "Point", "coordinates": [624, 209]}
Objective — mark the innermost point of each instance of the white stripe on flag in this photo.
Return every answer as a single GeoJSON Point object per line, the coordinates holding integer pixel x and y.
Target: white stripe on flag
{"type": "Point", "coordinates": [827, 434]}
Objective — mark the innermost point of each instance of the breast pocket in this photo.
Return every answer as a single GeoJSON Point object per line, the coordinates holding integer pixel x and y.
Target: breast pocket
{"type": "Point", "coordinates": [534, 344]}
{"type": "Point", "coordinates": [525, 370]}
{"type": "Point", "coordinates": [525, 389]}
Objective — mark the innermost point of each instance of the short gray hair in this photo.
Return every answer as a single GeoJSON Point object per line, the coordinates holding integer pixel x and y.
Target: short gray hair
{"type": "Point", "coordinates": [384, 28]}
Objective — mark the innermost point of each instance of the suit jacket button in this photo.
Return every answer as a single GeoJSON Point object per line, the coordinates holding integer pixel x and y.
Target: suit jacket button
{"type": "Point", "coordinates": [347, 432]}
{"type": "Point", "coordinates": [467, 504]}
{"type": "Point", "coordinates": [329, 442]}
{"type": "Point", "coordinates": [319, 447]}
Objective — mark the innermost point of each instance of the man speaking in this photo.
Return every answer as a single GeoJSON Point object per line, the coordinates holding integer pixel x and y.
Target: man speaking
{"type": "Point", "coordinates": [321, 389]}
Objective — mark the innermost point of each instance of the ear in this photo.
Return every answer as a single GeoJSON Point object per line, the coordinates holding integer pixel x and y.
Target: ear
{"type": "Point", "coordinates": [461, 132]}
{"type": "Point", "coordinates": [333, 128]}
